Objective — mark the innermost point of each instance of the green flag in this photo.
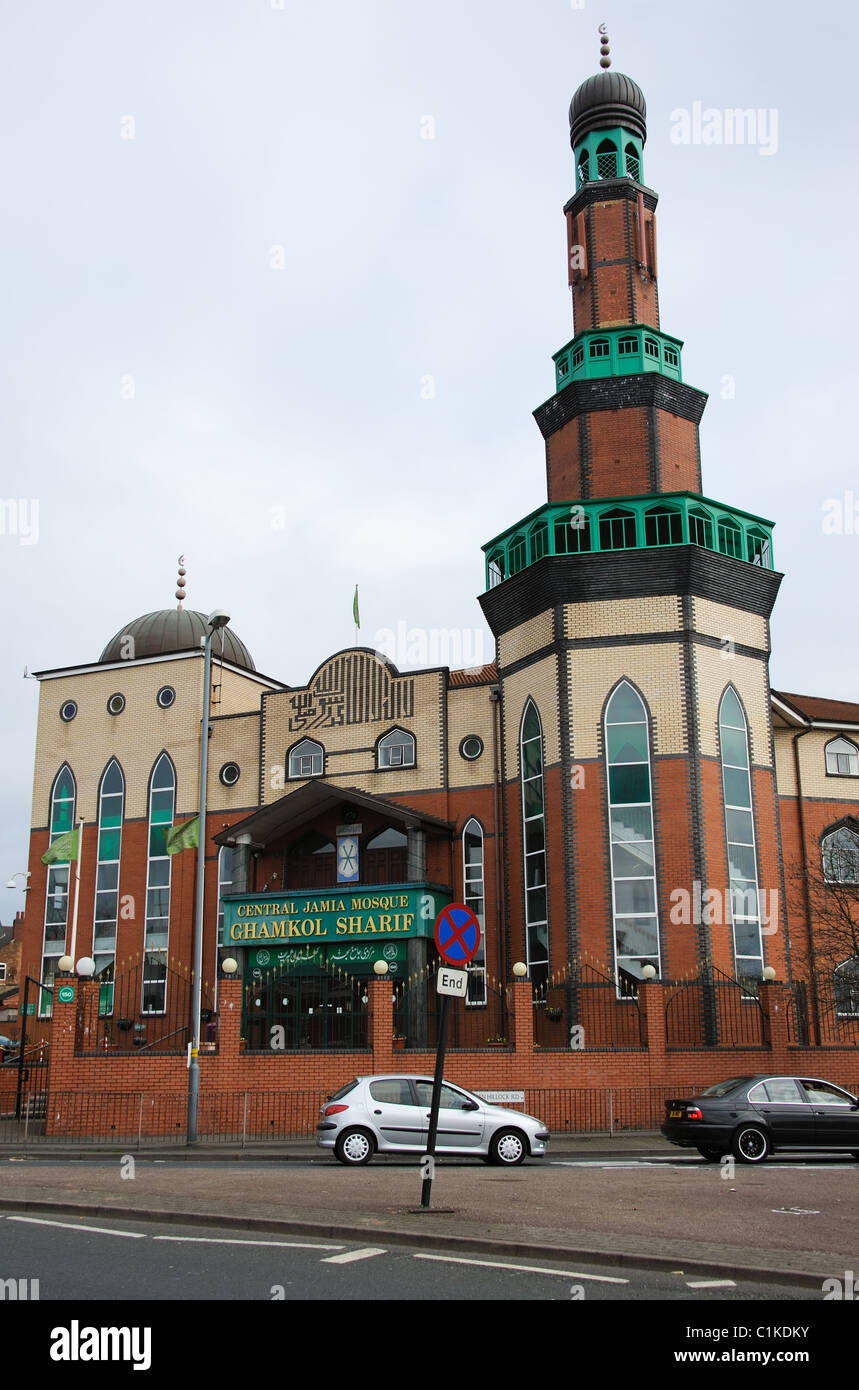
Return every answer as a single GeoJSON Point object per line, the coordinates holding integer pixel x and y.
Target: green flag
{"type": "Point", "coordinates": [184, 836]}
{"type": "Point", "coordinates": [65, 847]}
{"type": "Point", "coordinates": [355, 608]}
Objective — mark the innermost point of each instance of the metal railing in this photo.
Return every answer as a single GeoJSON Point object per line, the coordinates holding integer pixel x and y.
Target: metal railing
{"type": "Point", "coordinates": [713, 1011]}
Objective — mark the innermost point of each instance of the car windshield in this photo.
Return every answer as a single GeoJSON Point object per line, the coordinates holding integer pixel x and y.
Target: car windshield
{"type": "Point", "coordinates": [722, 1088]}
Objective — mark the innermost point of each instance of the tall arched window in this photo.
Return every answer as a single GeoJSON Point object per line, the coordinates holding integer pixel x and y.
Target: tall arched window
{"type": "Point", "coordinates": [225, 883]}
{"type": "Point", "coordinates": [62, 819]}
{"type": "Point", "coordinates": [472, 879]}
{"type": "Point", "coordinates": [162, 805]}
{"type": "Point", "coordinates": [111, 801]}
{"type": "Point", "coordinates": [630, 811]}
{"type": "Point", "coordinates": [740, 837]}
{"type": "Point", "coordinates": [534, 846]}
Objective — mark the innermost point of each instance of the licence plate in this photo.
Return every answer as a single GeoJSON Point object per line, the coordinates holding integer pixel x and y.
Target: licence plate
{"type": "Point", "coordinates": [675, 1114]}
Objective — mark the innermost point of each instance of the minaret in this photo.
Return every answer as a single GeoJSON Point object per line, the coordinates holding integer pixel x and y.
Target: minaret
{"type": "Point", "coordinates": [623, 610]}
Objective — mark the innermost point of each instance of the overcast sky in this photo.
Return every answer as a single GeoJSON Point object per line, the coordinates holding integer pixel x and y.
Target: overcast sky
{"type": "Point", "coordinates": [282, 281]}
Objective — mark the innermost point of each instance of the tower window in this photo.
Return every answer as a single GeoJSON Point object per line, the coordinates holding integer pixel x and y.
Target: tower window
{"type": "Point", "coordinates": [539, 542]}
{"type": "Point", "coordinates": [606, 160]}
{"type": "Point", "coordinates": [672, 358]}
{"type": "Point", "coordinates": [651, 348]}
{"type": "Point", "coordinates": [599, 348]}
{"type": "Point", "coordinates": [633, 164]}
{"type": "Point", "coordinates": [564, 366]}
{"type": "Point", "coordinates": [496, 570]}
{"type": "Point", "coordinates": [759, 548]}
{"type": "Point", "coordinates": [663, 527]}
{"type": "Point", "coordinates": [617, 530]}
{"type": "Point", "coordinates": [584, 167]}
{"type": "Point", "coordinates": [572, 538]}
{"type": "Point", "coordinates": [731, 539]}
{"type": "Point", "coordinates": [842, 758]}
{"type": "Point", "coordinates": [518, 556]}
{"type": "Point", "coordinates": [578, 356]}
{"type": "Point", "coordinates": [701, 529]}
{"type": "Point", "coordinates": [626, 345]}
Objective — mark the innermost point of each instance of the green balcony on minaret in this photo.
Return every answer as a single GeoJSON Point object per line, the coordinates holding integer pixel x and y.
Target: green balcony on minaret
{"type": "Point", "coordinates": [647, 522]}
{"type": "Point", "coordinates": [617, 352]}
{"type": "Point", "coordinates": [615, 153]}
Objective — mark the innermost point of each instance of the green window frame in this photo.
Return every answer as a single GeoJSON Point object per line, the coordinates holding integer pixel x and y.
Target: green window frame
{"type": "Point", "coordinates": [578, 355]}
{"type": "Point", "coordinates": [56, 916]}
{"type": "Point", "coordinates": [517, 555]}
{"type": "Point", "coordinates": [651, 348]}
{"type": "Point", "coordinates": [744, 895]}
{"type": "Point", "coordinates": [539, 541]}
{"type": "Point", "coordinates": [701, 529]}
{"type": "Point", "coordinates": [635, 907]}
{"type": "Point", "coordinates": [663, 526]}
{"type": "Point", "coordinates": [156, 931]}
{"type": "Point", "coordinates": [535, 886]}
{"type": "Point", "coordinates": [627, 345]}
{"type": "Point", "coordinates": [599, 347]}
{"type": "Point", "coordinates": [730, 538]}
{"type": "Point", "coordinates": [617, 530]}
{"type": "Point", "coordinates": [607, 160]}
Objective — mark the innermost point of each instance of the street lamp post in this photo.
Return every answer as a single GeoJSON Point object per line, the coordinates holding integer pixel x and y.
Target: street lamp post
{"type": "Point", "coordinates": [217, 619]}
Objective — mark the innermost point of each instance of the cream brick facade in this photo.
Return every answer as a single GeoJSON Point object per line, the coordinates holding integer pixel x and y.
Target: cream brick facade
{"type": "Point", "coordinates": [469, 711]}
{"type": "Point", "coordinates": [713, 673]}
{"type": "Point", "coordinates": [527, 638]}
{"type": "Point", "coordinates": [655, 670]}
{"type": "Point", "coordinates": [539, 681]}
{"type": "Point", "coordinates": [730, 624]}
{"type": "Point", "coordinates": [812, 769]}
{"type": "Point", "coordinates": [608, 618]}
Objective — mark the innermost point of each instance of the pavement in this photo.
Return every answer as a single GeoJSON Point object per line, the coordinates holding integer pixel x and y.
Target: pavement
{"type": "Point", "coordinates": [655, 1207]}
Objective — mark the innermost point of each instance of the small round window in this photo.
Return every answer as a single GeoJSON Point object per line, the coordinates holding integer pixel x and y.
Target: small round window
{"type": "Point", "coordinates": [68, 710]}
{"type": "Point", "coordinates": [229, 774]}
{"type": "Point", "coordinates": [471, 747]}
{"type": "Point", "coordinates": [116, 704]}
{"type": "Point", "coordinates": [166, 696]}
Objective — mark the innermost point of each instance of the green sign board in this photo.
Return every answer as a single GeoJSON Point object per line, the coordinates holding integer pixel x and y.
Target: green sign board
{"type": "Point", "coordinates": [369, 916]}
{"type": "Point", "coordinates": [354, 958]}
{"type": "Point", "coordinates": [66, 994]}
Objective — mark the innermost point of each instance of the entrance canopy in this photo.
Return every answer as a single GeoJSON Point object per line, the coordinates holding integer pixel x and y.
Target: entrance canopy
{"type": "Point", "coordinates": [305, 804]}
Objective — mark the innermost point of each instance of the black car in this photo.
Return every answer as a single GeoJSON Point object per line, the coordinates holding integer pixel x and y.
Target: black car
{"type": "Point", "coordinates": [753, 1116]}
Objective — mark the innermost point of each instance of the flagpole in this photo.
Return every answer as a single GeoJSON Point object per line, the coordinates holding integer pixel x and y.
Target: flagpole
{"type": "Point", "coordinates": [80, 846]}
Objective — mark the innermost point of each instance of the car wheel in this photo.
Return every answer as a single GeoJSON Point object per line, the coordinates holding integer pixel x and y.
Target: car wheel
{"type": "Point", "coordinates": [711, 1155]}
{"type": "Point", "coordinates": [508, 1147]}
{"type": "Point", "coordinates": [750, 1144]}
{"type": "Point", "coordinates": [354, 1146]}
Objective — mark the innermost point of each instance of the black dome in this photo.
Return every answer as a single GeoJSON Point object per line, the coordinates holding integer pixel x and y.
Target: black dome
{"type": "Point", "coordinates": [174, 630]}
{"type": "Point", "coordinates": [607, 99]}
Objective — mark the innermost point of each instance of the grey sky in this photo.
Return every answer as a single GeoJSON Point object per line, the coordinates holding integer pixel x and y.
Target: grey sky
{"type": "Point", "coordinates": [146, 264]}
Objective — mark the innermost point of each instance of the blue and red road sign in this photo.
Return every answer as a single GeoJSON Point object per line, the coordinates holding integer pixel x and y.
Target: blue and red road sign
{"type": "Point", "coordinates": [457, 934]}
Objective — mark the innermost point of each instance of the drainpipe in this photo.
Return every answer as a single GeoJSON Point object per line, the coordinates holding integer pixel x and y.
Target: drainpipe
{"type": "Point", "coordinates": [806, 890]}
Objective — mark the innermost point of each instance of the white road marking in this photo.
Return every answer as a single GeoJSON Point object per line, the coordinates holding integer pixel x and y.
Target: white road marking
{"type": "Point", "coordinates": [365, 1254]}
{"type": "Point", "coordinates": [711, 1284]}
{"type": "Point", "coordinates": [219, 1240]}
{"type": "Point", "coordinates": [70, 1226]}
{"type": "Point", "coordinates": [525, 1269]}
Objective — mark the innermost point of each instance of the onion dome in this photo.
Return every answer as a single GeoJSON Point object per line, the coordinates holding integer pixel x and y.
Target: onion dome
{"type": "Point", "coordinates": [173, 630]}
{"type": "Point", "coordinates": [607, 100]}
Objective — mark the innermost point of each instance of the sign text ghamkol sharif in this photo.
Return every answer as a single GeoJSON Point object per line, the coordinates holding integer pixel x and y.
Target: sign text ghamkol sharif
{"type": "Point", "coordinates": [380, 914]}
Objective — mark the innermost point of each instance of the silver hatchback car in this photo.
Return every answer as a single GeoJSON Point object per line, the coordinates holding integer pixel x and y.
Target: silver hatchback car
{"type": "Point", "coordinates": [390, 1114]}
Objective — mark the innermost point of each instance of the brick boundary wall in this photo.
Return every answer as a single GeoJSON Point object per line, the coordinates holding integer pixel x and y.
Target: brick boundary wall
{"type": "Point", "coordinates": [109, 1084]}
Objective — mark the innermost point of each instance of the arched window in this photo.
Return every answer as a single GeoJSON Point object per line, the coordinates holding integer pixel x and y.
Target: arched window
{"type": "Point", "coordinates": [627, 345]}
{"type": "Point", "coordinates": [599, 347]}
{"type": "Point", "coordinates": [759, 547]}
{"type": "Point", "coordinates": [840, 853]}
{"type": "Point", "coordinates": [539, 541]}
{"type": "Point", "coordinates": [162, 805]}
{"type": "Point", "coordinates": [496, 569]}
{"type": "Point", "coordinates": [572, 537]}
{"type": "Point", "coordinates": [534, 845]}
{"type": "Point", "coordinates": [617, 530]}
{"type": "Point", "coordinates": [651, 348]}
{"type": "Point", "coordinates": [584, 165]}
{"type": "Point", "coordinates": [663, 526]}
{"type": "Point", "coordinates": [386, 857]}
{"type": "Point", "coordinates": [740, 836]}
{"type": "Point", "coordinates": [472, 879]}
{"type": "Point", "coordinates": [307, 759]}
{"type": "Point", "coordinates": [517, 555]}
{"type": "Point", "coordinates": [846, 980]}
{"type": "Point", "coordinates": [701, 528]}
{"type": "Point", "coordinates": [842, 758]}
{"type": "Point", "coordinates": [633, 167]}
{"type": "Point", "coordinates": [111, 803]}
{"type": "Point", "coordinates": [61, 821]}
{"type": "Point", "coordinates": [606, 160]}
{"type": "Point", "coordinates": [396, 749]}
{"type": "Point", "coordinates": [630, 812]}
{"type": "Point", "coordinates": [730, 538]}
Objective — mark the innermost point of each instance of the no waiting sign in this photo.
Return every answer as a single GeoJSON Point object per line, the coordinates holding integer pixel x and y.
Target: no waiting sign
{"type": "Point", "coordinates": [457, 934]}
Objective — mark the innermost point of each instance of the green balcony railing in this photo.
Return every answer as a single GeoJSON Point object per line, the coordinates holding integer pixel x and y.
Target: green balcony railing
{"type": "Point", "coordinates": [617, 352]}
{"type": "Point", "coordinates": [628, 523]}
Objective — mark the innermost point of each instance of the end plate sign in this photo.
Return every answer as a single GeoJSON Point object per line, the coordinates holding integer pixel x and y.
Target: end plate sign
{"type": "Point", "coordinates": [453, 982]}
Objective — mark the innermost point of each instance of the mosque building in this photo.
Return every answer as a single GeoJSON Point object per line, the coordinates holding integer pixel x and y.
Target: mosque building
{"type": "Point", "coordinates": [623, 749]}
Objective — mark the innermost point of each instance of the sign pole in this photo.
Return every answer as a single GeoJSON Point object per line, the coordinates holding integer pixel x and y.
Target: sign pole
{"type": "Point", "coordinates": [429, 1156]}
